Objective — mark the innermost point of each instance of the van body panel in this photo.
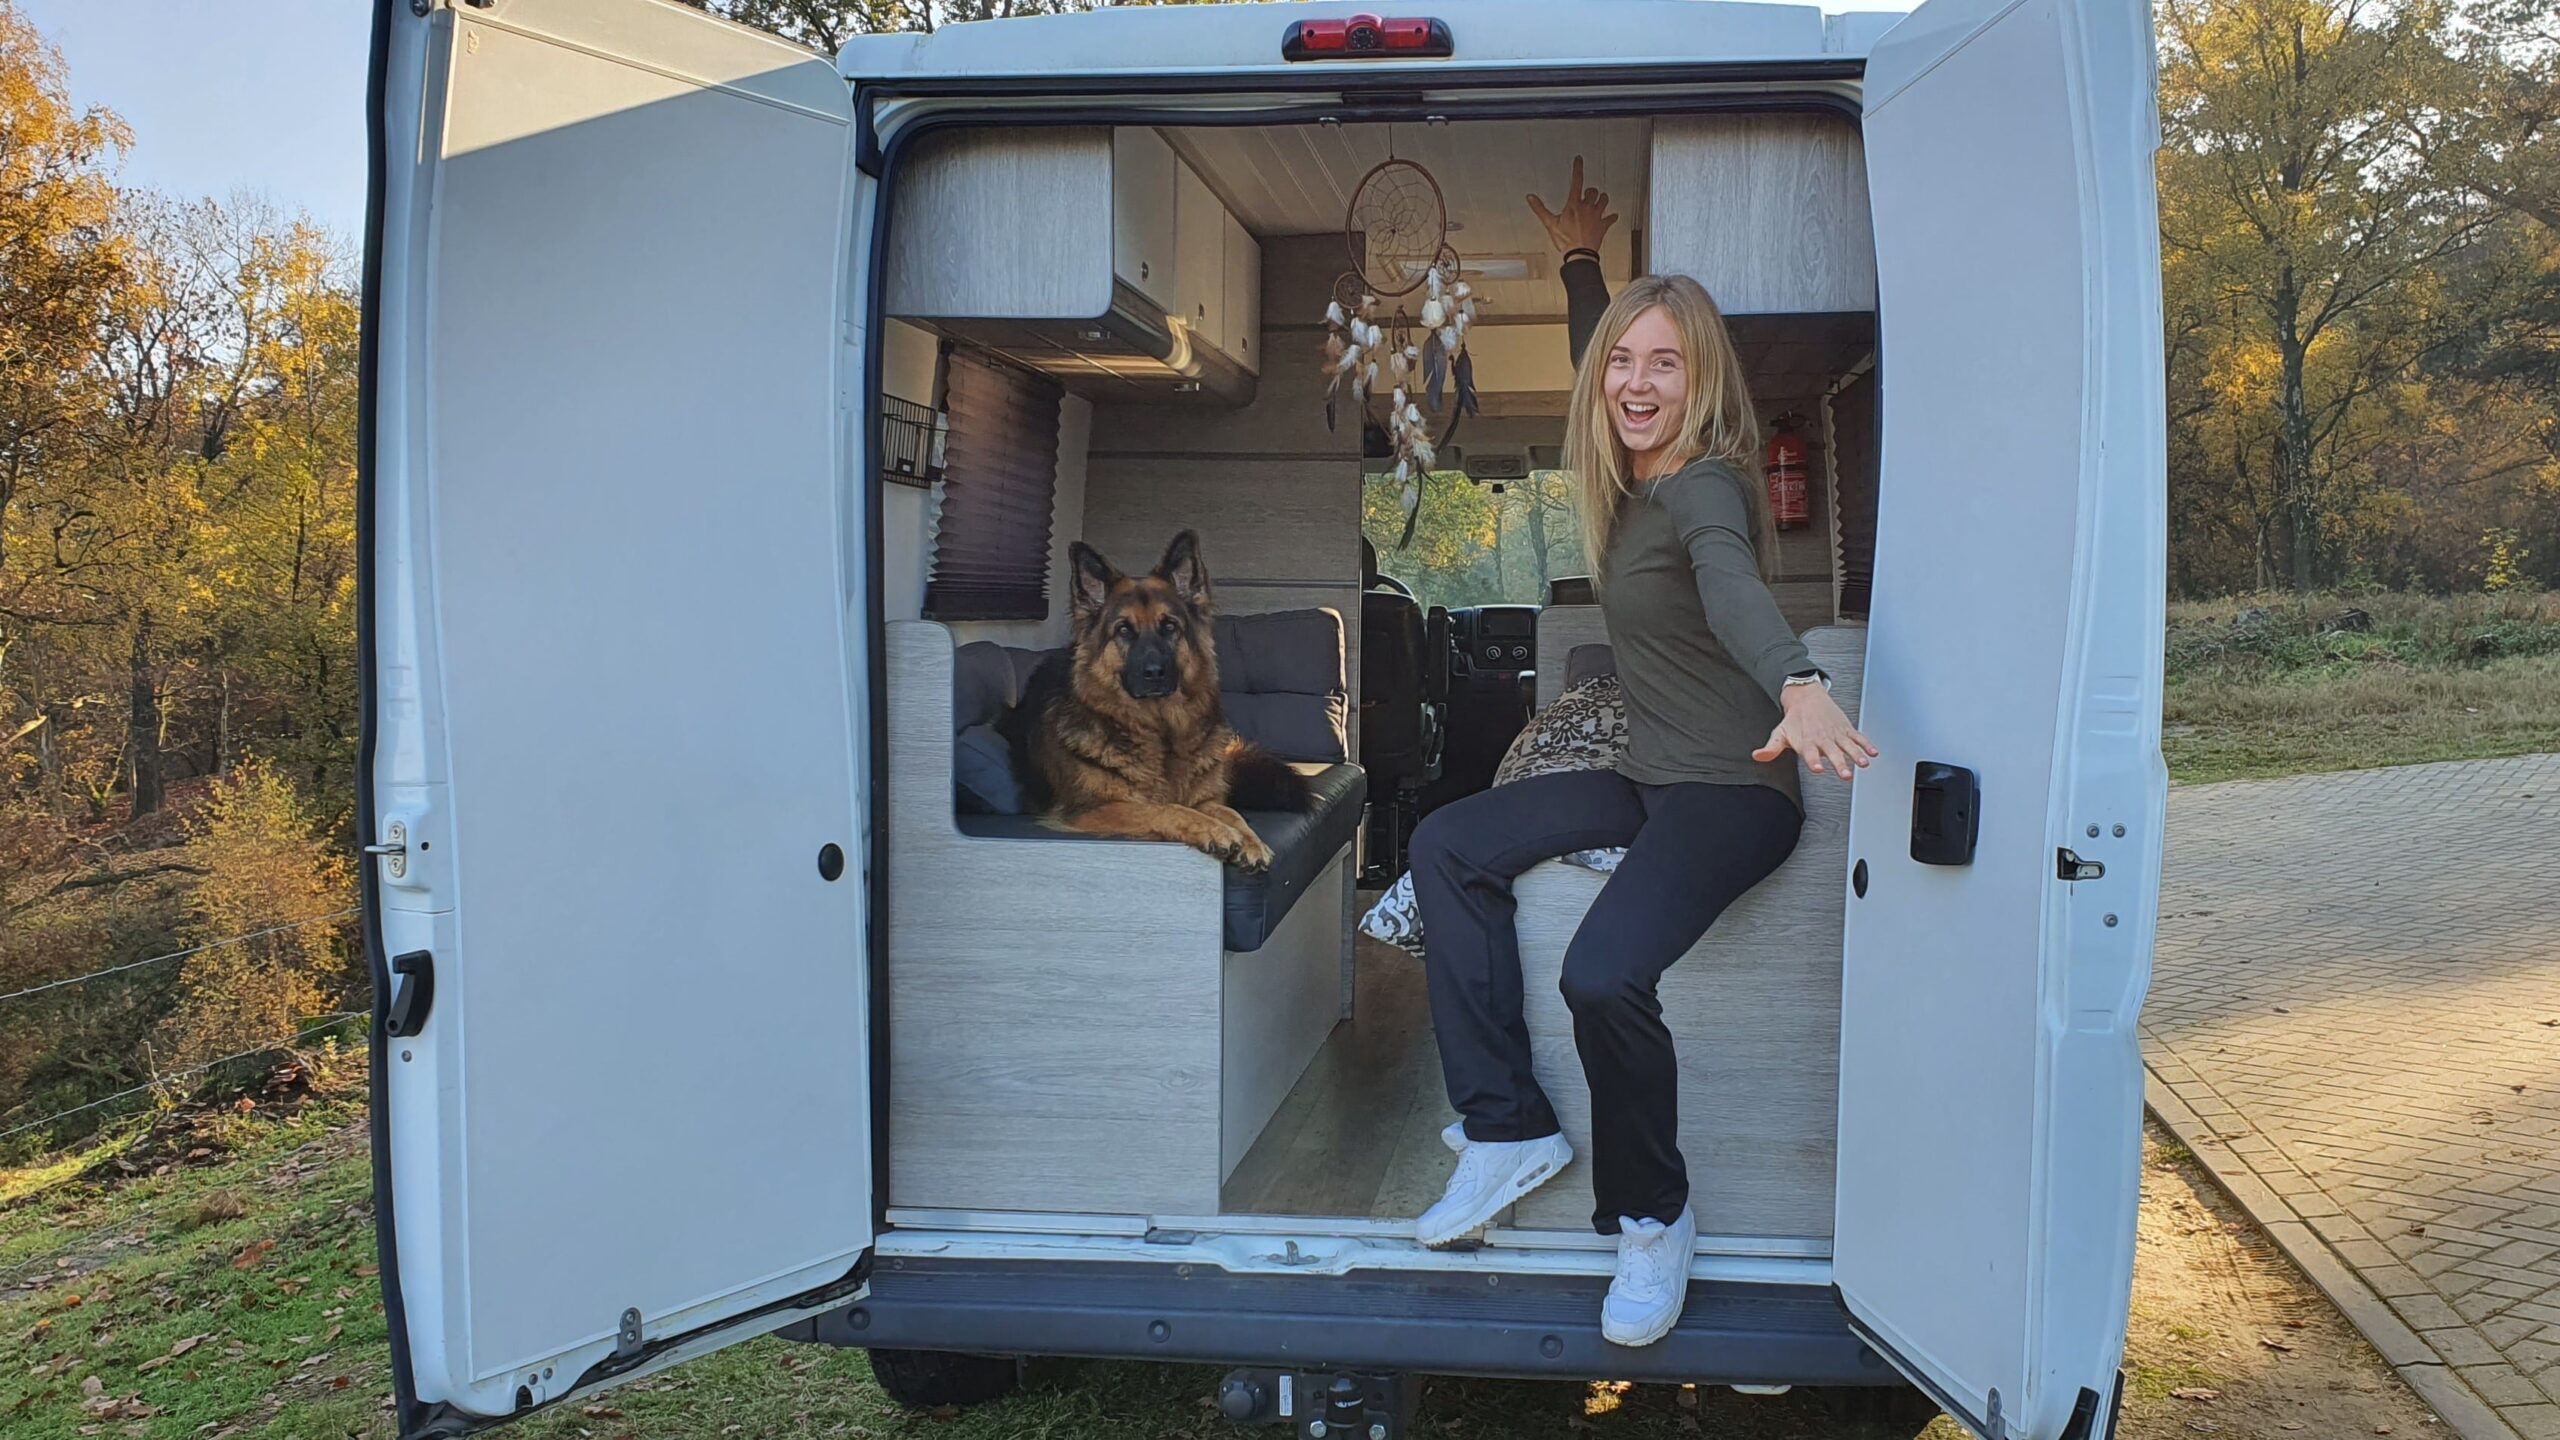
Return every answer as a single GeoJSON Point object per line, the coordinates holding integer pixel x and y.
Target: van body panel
{"type": "Point", "coordinates": [1243, 40]}
{"type": "Point", "coordinates": [1991, 1086]}
{"type": "Point", "coordinates": [618, 693]}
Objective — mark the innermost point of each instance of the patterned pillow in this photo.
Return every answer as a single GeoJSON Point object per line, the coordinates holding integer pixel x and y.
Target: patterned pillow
{"type": "Point", "coordinates": [1585, 729]}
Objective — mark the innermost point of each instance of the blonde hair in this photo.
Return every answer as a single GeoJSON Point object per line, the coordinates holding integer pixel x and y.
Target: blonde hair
{"type": "Point", "coordinates": [1716, 421]}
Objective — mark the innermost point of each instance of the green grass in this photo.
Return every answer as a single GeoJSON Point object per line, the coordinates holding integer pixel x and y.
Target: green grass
{"type": "Point", "coordinates": [2265, 687]}
{"type": "Point", "coordinates": [236, 1296]}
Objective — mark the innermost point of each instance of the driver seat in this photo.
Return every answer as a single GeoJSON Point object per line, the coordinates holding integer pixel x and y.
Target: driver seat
{"type": "Point", "coordinates": [1400, 725]}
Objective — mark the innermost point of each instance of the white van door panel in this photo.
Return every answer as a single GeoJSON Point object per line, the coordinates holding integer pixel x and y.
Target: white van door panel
{"type": "Point", "coordinates": [618, 683]}
{"type": "Point", "coordinates": [1991, 1086]}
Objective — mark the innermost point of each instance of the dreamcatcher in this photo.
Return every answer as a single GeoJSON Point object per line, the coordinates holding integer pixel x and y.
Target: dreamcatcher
{"type": "Point", "coordinates": [1398, 233]}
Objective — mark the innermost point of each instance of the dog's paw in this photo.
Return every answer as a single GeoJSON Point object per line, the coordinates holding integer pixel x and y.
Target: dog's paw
{"type": "Point", "coordinates": [1246, 852]}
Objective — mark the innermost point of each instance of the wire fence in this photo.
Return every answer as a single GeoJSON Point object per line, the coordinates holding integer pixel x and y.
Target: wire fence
{"type": "Point", "coordinates": [70, 980]}
{"type": "Point", "coordinates": [156, 1082]}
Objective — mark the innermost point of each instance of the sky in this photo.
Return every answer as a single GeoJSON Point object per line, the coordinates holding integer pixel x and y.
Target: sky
{"type": "Point", "coordinates": [228, 95]}
{"type": "Point", "coordinates": [265, 96]}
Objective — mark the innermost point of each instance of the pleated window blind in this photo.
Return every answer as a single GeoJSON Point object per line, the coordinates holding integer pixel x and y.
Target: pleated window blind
{"type": "Point", "coordinates": [1000, 474]}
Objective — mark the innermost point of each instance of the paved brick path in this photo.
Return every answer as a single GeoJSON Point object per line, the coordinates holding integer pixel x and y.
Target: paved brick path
{"type": "Point", "coordinates": [2355, 1019]}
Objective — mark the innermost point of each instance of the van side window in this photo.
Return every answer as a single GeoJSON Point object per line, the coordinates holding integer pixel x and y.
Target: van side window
{"type": "Point", "coordinates": [1000, 474]}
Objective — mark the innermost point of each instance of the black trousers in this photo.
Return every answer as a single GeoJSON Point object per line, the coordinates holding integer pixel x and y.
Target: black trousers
{"type": "Point", "coordinates": [1692, 850]}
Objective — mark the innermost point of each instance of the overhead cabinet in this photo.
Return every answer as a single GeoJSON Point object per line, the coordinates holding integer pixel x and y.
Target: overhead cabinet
{"type": "Point", "coordinates": [1765, 210]}
{"type": "Point", "coordinates": [1091, 254]}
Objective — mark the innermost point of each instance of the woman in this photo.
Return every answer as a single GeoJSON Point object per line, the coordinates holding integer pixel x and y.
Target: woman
{"type": "Point", "coordinates": [1662, 446]}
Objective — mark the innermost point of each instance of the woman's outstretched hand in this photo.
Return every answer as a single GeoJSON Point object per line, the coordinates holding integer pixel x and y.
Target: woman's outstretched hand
{"type": "Point", "coordinates": [1816, 729]}
{"type": "Point", "coordinates": [1586, 218]}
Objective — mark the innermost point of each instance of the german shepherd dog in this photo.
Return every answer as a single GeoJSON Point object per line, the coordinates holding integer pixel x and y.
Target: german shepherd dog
{"type": "Point", "coordinates": [1123, 735]}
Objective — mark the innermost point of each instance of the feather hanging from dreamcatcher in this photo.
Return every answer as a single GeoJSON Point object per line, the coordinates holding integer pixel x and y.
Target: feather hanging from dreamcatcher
{"type": "Point", "coordinates": [1385, 359]}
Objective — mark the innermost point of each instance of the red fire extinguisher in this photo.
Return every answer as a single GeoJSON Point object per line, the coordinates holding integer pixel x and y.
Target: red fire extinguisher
{"type": "Point", "coordinates": [1788, 507]}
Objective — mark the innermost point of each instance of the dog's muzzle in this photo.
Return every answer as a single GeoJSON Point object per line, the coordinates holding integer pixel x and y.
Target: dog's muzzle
{"type": "Point", "coordinates": [1149, 674]}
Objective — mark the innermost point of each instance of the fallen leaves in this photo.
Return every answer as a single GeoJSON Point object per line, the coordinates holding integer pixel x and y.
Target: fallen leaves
{"type": "Point", "coordinates": [2275, 1345]}
{"type": "Point", "coordinates": [181, 1348]}
{"type": "Point", "coordinates": [96, 1403]}
{"type": "Point", "coordinates": [221, 1206]}
{"type": "Point", "coordinates": [250, 1256]}
{"type": "Point", "coordinates": [2200, 1394]}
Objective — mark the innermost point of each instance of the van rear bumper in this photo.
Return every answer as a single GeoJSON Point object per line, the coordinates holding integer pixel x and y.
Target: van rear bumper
{"type": "Point", "coordinates": [1524, 1326]}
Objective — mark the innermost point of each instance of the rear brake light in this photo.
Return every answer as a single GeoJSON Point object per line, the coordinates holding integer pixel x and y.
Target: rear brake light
{"type": "Point", "coordinates": [1367, 37]}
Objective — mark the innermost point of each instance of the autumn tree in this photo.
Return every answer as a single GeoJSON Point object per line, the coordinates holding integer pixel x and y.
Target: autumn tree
{"type": "Point", "coordinates": [2307, 243]}
{"type": "Point", "coordinates": [824, 25]}
{"type": "Point", "coordinates": [61, 266]}
{"type": "Point", "coordinates": [272, 958]}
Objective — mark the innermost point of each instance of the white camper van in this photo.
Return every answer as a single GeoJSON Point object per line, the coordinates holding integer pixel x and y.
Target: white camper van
{"type": "Point", "coordinates": [728, 408]}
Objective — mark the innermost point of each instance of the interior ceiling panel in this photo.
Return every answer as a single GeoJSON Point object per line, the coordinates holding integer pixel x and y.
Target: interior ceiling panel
{"type": "Point", "coordinates": [1299, 179]}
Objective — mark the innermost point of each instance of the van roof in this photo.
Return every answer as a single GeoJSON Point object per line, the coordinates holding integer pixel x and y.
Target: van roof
{"type": "Point", "coordinates": [1189, 39]}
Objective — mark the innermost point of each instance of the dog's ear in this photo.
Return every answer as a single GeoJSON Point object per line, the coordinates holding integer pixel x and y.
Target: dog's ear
{"type": "Point", "coordinates": [1184, 570]}
{"type": "Point", "coordinates": [1094, 578]}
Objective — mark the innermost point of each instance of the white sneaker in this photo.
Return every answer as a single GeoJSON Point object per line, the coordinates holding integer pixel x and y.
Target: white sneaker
{"type": "Point", "coordinates": [1653, 1280]}
{"type": "Point", "coordinates": [1491, 1176]}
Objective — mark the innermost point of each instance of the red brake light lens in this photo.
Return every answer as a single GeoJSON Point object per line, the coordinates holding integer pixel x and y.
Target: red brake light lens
{"type": "Point", "coordinates": [1368, 37]}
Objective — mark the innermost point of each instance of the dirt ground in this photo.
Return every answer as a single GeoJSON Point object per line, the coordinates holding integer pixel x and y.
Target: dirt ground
{"type": "Point", "coordinates": [2229, 1339]}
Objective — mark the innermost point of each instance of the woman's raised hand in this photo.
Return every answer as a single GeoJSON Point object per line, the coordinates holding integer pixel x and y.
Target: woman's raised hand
{"type": "Point", "coordinates": [1586, 218]}
{"type": "Point", "coordinates": [1816, 729]}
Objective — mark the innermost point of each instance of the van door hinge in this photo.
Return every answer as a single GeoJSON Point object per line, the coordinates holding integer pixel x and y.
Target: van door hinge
{"type": "Point", "coordinates": [626, 1336]}
{"type": "Point", "coordinates": [2069, 866]}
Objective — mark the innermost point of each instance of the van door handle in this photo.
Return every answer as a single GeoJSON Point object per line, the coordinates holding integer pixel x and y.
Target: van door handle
{"type": "Point", "coordinates": [413, 996]}
{"type": "Point", "coordinates": [1946, 813]}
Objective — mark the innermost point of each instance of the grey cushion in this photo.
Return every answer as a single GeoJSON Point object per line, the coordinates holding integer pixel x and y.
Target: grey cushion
{"type": "Point", "coordinates": [982, 774]}
{"type": "Point", "coordinates": [1588, 662]}
{"type": "Point", "coordinates": [1300, 847]}
{"type": "Point", "coordinates": [987, 679]}
{"type": "Point", "coordinates": [1280, 678]}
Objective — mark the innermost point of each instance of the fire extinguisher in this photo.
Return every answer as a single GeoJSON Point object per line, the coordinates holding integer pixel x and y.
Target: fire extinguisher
{"type": "Point", "coordinates": [1788, 507]}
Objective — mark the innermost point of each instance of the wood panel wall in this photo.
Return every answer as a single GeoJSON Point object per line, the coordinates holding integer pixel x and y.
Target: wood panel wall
{"type": "Point", "coordinates": [1274, 495]}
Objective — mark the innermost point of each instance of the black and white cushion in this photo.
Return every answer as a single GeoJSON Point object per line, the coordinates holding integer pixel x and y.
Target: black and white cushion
{"type": "Point", "coordinates": [1584, 729]}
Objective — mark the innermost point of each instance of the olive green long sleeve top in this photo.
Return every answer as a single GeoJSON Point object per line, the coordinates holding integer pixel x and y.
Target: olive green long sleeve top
{"type": "Point", "coordinates": [1702, 652]}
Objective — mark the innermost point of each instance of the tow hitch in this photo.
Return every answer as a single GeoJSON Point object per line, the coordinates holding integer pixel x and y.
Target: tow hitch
{"type": "Point", "coordinates": [1319, 1404]}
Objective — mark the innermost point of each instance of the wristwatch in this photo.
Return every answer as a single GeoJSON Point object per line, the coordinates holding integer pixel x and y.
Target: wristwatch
{"type": "Point", "coordinates": [1810, 677]}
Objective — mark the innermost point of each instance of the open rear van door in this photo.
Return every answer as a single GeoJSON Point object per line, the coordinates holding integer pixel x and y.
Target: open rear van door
{"type": "Point", "coordinates": [613, 643]}
{"type": "Point", "coordinates": [1991, 1085]}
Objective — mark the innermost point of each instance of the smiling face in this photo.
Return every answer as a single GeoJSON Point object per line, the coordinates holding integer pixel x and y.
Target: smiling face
{"type": "Point", "coordinates": [1646, 387]}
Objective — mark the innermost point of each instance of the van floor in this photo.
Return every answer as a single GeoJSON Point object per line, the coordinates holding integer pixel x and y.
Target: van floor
{"type": "Point", "coordinates": [1359, 1136]}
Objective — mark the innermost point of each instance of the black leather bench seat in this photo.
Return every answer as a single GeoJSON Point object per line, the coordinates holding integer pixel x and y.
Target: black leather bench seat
{"type": "Point", "coordinates": [1300, 847]}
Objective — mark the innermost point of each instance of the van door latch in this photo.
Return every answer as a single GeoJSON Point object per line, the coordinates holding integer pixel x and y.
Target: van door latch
{"type": "Point", "coordinates": [394, 850]}
{"type": "Point", "coordinates": [2069, 866]}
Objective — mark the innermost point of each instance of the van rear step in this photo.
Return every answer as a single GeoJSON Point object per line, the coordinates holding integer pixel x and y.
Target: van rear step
{"type": "Point", "coordinates": [1368, 1322]}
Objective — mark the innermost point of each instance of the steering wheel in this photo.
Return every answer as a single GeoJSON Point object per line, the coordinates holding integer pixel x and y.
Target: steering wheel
{"type": "Point", "coordinates": [1389, 582]}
